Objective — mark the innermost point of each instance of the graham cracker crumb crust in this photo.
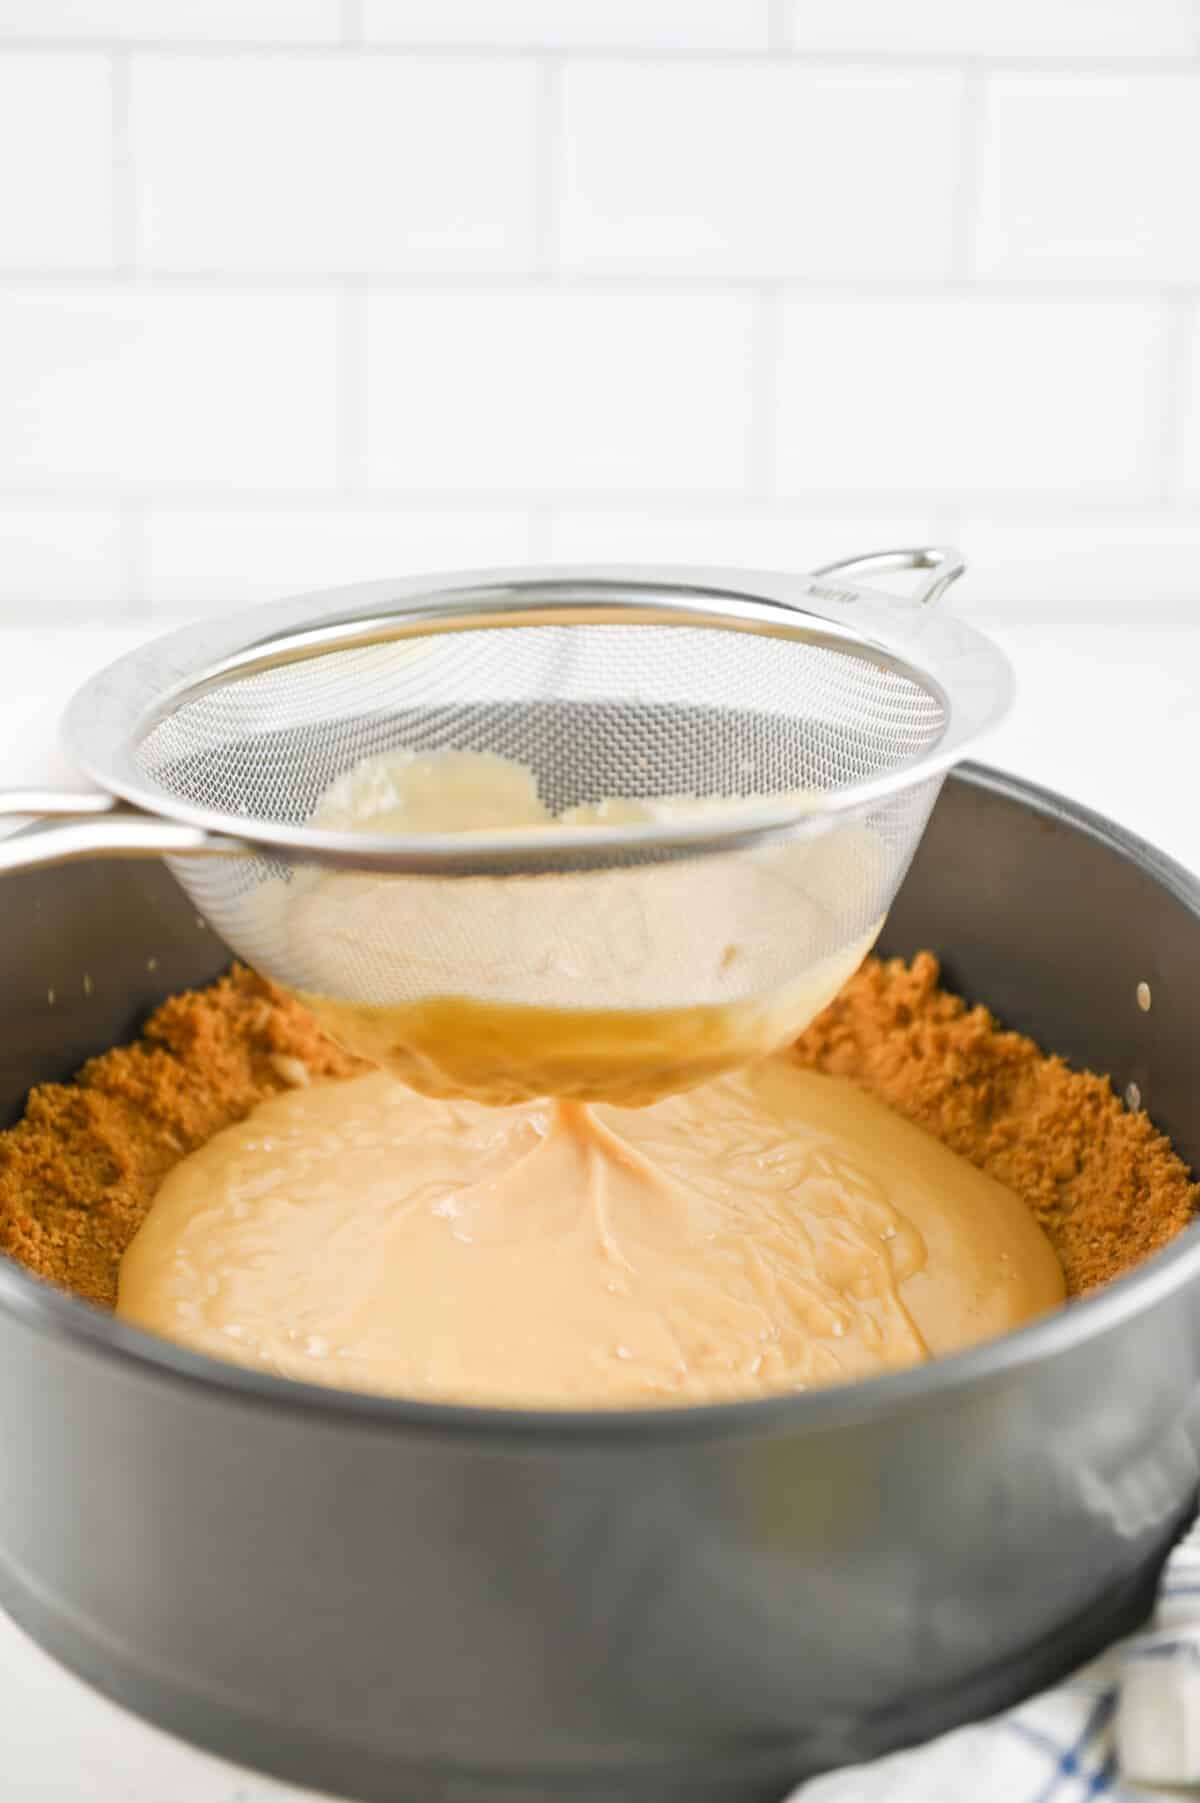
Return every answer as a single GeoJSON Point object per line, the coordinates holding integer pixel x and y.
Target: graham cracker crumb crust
{"type": "Point", "coordinates": [1105, 1184]}
{"type": "Point", "coordinates": [79, 1171]}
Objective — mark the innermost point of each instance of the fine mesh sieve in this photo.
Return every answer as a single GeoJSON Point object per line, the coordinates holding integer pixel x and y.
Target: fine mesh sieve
{"type": "Point", "coordinates": [776, 744]}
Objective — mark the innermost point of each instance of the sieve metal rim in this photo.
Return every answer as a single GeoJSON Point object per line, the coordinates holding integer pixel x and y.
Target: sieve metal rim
{"type": "Point", "coordinates": [111, 714]}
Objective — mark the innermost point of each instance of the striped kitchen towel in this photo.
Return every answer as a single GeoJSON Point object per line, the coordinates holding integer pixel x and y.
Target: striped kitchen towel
{"type": "Point", "coordinates": [1126, 1728]}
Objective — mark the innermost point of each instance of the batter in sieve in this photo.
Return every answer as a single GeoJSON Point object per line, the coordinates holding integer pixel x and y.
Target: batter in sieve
{"type": "Point", "coordinates": [636, 983]}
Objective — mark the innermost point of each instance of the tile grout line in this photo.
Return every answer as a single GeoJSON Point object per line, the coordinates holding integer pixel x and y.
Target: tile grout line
{"type": "Point", "coordinates": [764, 381]}
{"type": "Point", "coordinates": [1032, 62]}
{"type": "Point", "coordinates": [351, 367]}
{"type": "Point", "coordinates": [1177, 371]}
{"type": "Point", "coordinates": [124, 199]}
{"type": "Point", "coordinates": [350, 15]}
{"type": "Point", "coordinates": [780, 26]}
{"type": "Point", "coordinates": [662, 284]}
{"type": "Point", "coordinates": [133, 558]}
{"type": "Point", "coordinates": [965, 211]}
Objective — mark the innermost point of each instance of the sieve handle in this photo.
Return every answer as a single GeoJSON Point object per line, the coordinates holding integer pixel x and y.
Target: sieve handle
{"type": "Point", "coordinates": [944, 564]}
{"type": "Point", "coordinates": [89, 824]}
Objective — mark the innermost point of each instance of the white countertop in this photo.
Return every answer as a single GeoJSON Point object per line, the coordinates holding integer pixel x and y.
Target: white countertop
{"type": "Point", "coordinates": [1109, 715]}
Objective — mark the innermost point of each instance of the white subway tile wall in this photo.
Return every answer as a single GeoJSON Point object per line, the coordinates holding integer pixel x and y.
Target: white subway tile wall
{"type": "Point", "coordinates": [185, 21]}
{"type": "Point", "coordinates": [759, 169]}
{"type": "Point", "coordinates": [332, 164]}
{"type": "Point", "coordinates": [553, 392]}
{"type": "Point", "coordinates": [1066, 29]}
{"type": "Point", "coordinates": [969, 396]}
{"type": "Point", "coordinates": [295, 292]}
{"type": "Point", "coordinates": [1090, 177]}
{"type": "Point", "coordinates": [56, 173]}
{"type": "Point", "coordinates": [1188, 400]}
{"type": "Point", "coordinates": [123, 389]}
{"type": "Point", "coordinates": [200, 557]}
{"type": "Point", "coordinates": [572, 24]}
{"type": "Point", "coordinates": [60, 555]}
{"type": "Point", "coordinates": [755, 536]}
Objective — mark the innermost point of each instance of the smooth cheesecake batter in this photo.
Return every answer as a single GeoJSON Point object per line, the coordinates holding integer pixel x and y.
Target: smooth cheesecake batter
{"type": "Point", "coordinates": [620, 985]}
{"type": "Point", "coordinates": [775, 1230]}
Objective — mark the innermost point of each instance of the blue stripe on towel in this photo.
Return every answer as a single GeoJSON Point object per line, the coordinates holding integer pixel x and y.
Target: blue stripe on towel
{"type": "Point", "coordinates": [1069, 1762]}
{"type": "Point", "coordinates": [1186, 1650]}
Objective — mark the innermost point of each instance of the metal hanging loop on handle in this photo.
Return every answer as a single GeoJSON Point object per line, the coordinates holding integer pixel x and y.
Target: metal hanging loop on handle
{"type": "Point", "coordinates": [944, 563]}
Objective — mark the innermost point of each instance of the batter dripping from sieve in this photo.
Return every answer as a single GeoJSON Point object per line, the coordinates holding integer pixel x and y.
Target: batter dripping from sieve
{"type": "Point", "coordinates": [768, 1230]}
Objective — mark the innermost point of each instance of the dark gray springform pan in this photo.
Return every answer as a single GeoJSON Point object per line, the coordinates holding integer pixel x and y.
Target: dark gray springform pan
{"type": "Point", "coordinates": [414, 1604]}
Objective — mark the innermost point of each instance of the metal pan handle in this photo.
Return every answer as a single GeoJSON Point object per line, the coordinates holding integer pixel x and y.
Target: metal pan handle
{"type": "Point", "coordinates": [88, 824]}
{"type": "Point", "coordinates": [944, 563]}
